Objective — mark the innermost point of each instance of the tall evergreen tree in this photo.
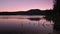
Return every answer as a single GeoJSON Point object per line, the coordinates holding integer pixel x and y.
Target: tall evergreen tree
{"type": "Point", "coordinates": [56, 15]}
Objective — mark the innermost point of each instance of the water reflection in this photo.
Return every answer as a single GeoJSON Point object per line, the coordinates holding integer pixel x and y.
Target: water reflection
{"type": "Point", "coordinates": [23, 23]}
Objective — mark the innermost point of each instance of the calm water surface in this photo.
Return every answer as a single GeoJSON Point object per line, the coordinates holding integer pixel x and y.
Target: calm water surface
{"type": "Point", "coordinates": [21, 23]}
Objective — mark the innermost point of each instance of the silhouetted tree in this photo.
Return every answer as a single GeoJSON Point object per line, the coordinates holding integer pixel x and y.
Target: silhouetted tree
{"type": "Point", "coordinates": [56, 15]}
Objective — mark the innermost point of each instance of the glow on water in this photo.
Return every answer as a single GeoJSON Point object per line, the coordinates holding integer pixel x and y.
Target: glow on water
{"type": "Point", "coordinates": [16, 21]}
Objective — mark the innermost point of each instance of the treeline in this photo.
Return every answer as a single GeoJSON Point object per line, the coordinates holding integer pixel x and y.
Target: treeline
{"type": "Point", "coordinates": [29, 12]}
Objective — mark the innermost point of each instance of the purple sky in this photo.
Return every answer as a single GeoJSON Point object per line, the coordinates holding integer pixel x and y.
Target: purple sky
{"type": "Point", "coordinates": [21, 5]}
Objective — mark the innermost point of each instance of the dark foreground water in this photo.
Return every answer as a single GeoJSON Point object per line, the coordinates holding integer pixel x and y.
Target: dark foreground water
{"type": "Point", "coordinates": [21, 25]}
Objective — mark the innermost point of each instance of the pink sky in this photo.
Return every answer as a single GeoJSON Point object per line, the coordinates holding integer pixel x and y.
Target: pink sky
{"type": "Point", "coordinates": [23, 5]}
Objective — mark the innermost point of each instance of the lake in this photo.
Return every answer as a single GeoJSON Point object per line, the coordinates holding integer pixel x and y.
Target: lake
{"type": "Point", "coordinates": [21, 23]}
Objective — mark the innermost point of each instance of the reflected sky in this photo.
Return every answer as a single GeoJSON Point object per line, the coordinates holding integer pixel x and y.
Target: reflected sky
{"type": "Point", "coordinates": [16, 24]}
{"type": "Point", "coordinates": [18, 18]}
